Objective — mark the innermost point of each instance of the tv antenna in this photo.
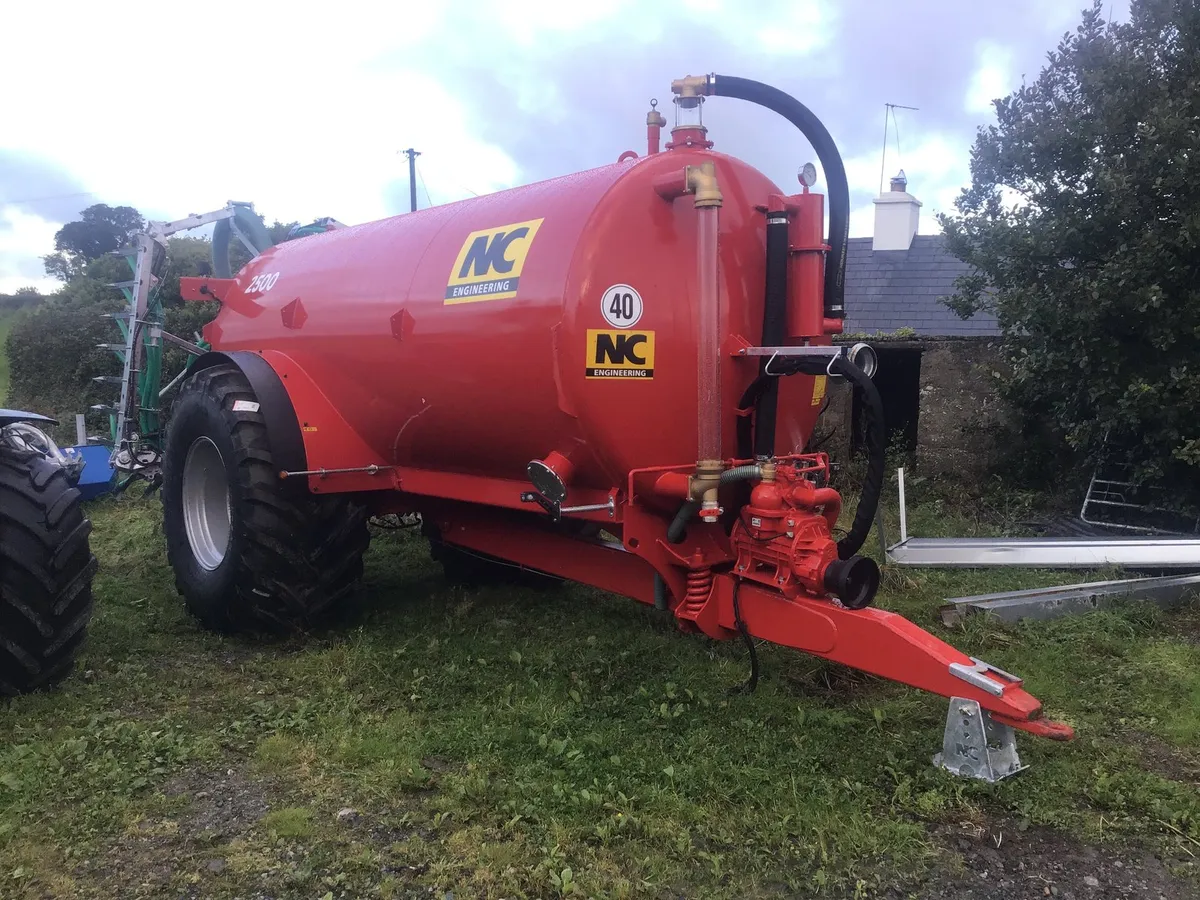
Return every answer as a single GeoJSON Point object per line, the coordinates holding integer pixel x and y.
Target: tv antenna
{"type": "Point", "coordinates": [889, 111]}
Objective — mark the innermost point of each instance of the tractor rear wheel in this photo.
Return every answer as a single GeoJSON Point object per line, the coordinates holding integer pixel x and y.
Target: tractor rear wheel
{"type": "Point", "coordinates": [46, 569]}
{"type": "Point", "coordinates": [250, 552]}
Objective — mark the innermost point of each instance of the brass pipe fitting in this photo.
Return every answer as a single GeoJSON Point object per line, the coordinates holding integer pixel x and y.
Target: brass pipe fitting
{"type": "Point", "coordinates": [768, 471]}
{"type": "Point", "coordinates": [691, 90]}
{"type": "Point", "coordinates": [704, 486]}
{"type": "Point", "coordinates": [702, 182]}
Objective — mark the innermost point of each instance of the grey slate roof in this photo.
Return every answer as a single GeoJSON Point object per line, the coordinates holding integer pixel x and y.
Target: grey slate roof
{"type": "Point", "coordinates": [891, 289]}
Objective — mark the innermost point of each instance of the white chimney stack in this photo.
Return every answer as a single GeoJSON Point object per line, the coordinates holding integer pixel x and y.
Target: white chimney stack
{"type": "Point", "coordinates": [896, 213]}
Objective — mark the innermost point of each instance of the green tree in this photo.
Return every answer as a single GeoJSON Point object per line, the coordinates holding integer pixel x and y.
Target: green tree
{"type": "Point", "coordinates": [100, 229]}
{"type": "Point", "coordinates": [53, 351]}
{"type": "Point", "coordinates": [24, 297]}
{"type": "Point", "coordinates": [1083, 226]}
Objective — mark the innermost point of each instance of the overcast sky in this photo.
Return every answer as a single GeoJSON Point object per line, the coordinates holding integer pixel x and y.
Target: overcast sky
{"type": "Point", "coordinates": [176, 108]}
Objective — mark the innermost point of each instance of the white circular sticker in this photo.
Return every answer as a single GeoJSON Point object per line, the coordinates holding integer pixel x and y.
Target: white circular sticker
{"type": "Point", "coordinates": [621, 306]}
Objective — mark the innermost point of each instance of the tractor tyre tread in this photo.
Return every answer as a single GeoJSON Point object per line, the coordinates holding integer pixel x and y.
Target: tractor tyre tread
{"type": "Point", "coordinates": [298, 555]}
{"type": "Point", "coordinates": [46, 570]}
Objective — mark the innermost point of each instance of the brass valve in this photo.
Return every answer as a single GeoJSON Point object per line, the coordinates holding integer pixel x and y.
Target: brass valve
{"type": "Point", "coordinates": [654, 117]}
{"type": "Point", "coordinates": [702, 182]}
{"type": "Point", "coordinates": [691, 90]}
{"type": "Point", "coordinates": [704, 486]}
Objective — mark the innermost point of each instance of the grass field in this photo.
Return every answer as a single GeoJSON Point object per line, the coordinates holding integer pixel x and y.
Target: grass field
{"type": "Point", "coordinates": [500, 743]}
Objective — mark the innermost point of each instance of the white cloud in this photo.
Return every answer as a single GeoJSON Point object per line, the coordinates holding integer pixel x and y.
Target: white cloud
{"type": "Point", "coordinates": [23, 238]}
{"type": "Point", "coordinates": [181, 111]}
{"type": "Point", "coordinates": [993, 78]}
{"type": "Point", "coordinates": [801, 27]}
{"type": "Point", "coordinates": [304, 110]}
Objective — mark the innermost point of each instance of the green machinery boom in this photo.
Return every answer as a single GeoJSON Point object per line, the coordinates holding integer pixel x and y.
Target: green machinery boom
{"type": "Point", "coordinates": [136, 422]}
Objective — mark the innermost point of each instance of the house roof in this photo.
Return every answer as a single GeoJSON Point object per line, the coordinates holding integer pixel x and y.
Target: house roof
{"type": "Point", "coordinates": [891, 289]}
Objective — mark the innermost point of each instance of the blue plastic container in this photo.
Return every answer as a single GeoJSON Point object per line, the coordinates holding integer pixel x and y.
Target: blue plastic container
{"type": "Point", "coordinates": [96, 479]}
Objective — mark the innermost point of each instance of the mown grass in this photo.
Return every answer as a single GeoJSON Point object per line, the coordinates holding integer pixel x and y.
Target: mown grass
{"type": "Point", "coordinates": [502, 743]}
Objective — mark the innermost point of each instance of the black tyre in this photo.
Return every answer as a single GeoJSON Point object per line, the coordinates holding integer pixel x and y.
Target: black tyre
{"type": "Point", "coordinates": [250, 552]}
{"type": "Point", "coordinates": [46, 569]}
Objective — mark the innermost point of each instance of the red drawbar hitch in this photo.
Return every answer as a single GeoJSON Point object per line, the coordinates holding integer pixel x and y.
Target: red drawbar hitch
{"type": "Point", "coordinates": [787, 574]}
{"type": "Point", "coordinates": [882, 643]}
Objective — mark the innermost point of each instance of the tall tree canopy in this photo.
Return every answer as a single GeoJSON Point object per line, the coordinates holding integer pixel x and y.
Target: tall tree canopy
{"type": "Point", "coordinates": [100, 229]}
{"type": "Point", "coordinates": [1083, 225]}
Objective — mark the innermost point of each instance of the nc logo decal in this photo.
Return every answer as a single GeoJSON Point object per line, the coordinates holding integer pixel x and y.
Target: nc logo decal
{"type": "Point", "coordinates": [489, 264]}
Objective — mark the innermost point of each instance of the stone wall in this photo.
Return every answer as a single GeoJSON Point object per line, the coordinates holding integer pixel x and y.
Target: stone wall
{"type": "Point", "coordinates": [960, 416]}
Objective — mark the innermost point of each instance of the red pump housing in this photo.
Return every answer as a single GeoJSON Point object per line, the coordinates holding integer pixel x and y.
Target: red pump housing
{"type": "Point", "coordinates": [522, 367]}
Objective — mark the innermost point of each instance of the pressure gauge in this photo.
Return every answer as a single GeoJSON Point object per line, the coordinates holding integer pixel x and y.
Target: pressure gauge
{"type": "Point", "coordinates": [808, 174]}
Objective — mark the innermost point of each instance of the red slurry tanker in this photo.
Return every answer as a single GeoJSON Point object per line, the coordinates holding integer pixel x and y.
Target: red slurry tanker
{"type": "Point", "coordinates": [609, 377]}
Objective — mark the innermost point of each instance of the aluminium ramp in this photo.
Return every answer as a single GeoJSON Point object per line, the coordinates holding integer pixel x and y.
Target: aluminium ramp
{"type": "Point", "coordinates": [1048, 553]}
{"type": "Point", "coordinates": [1068, 599]}
{"type": "Point", "coordinates": [1144, 552]}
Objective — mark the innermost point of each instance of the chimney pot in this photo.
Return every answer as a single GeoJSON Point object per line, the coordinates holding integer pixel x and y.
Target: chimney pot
{"type": "Point", "coordinates": [900, 182]}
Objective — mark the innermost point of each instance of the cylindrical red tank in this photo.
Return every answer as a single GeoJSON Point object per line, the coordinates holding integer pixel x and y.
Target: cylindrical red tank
{"type": "Point", "coordinates": [477, 336]}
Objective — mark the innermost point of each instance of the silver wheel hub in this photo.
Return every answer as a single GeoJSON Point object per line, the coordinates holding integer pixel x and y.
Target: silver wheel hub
{"type": "Point", "coordinates": [207, 517]}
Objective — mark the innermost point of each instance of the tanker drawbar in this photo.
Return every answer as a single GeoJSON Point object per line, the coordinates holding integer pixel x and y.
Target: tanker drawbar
{"type": "Point", "coordinates": [610, 378]}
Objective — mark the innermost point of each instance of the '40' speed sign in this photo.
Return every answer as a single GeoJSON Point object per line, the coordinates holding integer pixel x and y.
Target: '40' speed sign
{"type": "Point", "coordinates": [621, 306]}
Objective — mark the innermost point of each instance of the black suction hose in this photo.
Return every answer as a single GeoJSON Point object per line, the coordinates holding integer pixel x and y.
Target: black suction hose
{"type": "Point", "coordinates": [831, 161]}
{"type": "Point", "coordinates": [679, 523]}
{"type": "Point", "coordinates": [872, 489]}
{"type": "Point", "coordinates": [250, 225]}
{"type": "Point", "coordinates": [774, 330]}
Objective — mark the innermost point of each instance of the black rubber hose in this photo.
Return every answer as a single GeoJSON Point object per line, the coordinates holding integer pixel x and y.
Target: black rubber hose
{"type": "Point", "coordinates": [688, 509]}
{"type": "Point", "coordinates": [872, 489]}
{"type": "Point", "coordinates": [774, 329]}
{"type": "Point", "coordinates": [251, 226]}
{"type": "Point", "coordinates": [831, 161]}
{"type": "Point", "coordinates": [679, 524]}
{"type": "Point", "coordinates": [660, 594]}
{"type": "Point", "coordinates": [745, 424]}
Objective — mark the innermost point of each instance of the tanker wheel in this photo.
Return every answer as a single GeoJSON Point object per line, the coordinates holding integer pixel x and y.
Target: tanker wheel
{"type": "Point", "coordinates": [46, 569]}
{"type": "Point", "coordinates": [249, 554]}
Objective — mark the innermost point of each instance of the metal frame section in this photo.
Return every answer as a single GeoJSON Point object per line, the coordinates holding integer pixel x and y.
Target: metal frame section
{"type": "Point", "coordinates": [125, 438]}
{"type": "Point", "coordinates": [829, 354]}
{"type": "Point", "coordinates": [1116, 496]}
{"type": "Point", "coordinates": [1042, 553]}
{"type": "Point", "coordinates": [1052, 602]}
{"type": "Point", "coordinates": [129, 454]}
{"type": "Point", "coordinates": [160, 231]}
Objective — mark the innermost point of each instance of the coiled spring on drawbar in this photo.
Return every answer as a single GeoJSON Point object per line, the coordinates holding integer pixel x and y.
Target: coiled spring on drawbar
{"type": "Point", "coordinates": [699, 586]}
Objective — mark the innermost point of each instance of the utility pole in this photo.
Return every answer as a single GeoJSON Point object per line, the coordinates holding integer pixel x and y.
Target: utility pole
{"type": "Point", "coordinates": [412, 176]}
